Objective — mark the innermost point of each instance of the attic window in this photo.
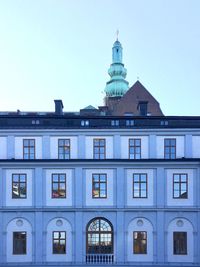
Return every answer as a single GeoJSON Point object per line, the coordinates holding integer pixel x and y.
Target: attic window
{"type": "Point", "coordinates": [142, 107]}
{"type": "Point", "coordinates": [130, 122]}
{"type": "Point", "coordinates": [85, 123]}
{"type": "Point", "coordinates": [114, 122]}
{"type": "Point", "coordinates": [35, 122]}
{"type": "Point", "coordinates": [164, 123]}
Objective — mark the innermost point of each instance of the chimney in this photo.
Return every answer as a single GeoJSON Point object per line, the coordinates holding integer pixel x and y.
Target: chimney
{"type": "Point", "coordinates": [58, 107]}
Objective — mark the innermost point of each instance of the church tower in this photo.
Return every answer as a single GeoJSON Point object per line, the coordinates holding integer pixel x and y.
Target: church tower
{"type": "Point", "coordinates": [117, 86]}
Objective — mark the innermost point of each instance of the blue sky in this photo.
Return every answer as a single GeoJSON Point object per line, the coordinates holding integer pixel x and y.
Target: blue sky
{"type": "Point", "coordinates": [61, 49]}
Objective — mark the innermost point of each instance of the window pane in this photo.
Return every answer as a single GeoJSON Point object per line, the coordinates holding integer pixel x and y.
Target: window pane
{"type": "Point", "coordinates": [167, 142]}
{"type": "Point", "coordinates": [96, 142]}
{"type": "Point", "coordinates": [136, 193]}
{"type": "Point", "coordinates": [55, 178]}
{"type": "Point", "coordinates": [143, 177]}
{"type": "Point", "coordinates": [176, 194]}
{"type": "Point", "coordinates": [102, 156]}
{"type": "Point", "coordinates": [180, 243]}
{"type": "Point", "coordinates": [131, 142]}
{"type": "Point", "coordinates": [19, 243]}
{"type": "Point", "coordinates": [183, 194]}
{"type": "Point", "coordinates": [183, 177]}
{"type": "Point", "coordinates": [176, 178]}
{"type": "Point", "coordinates": [176, 186]}
{"type": "Point", "coordinates": [103, 186]}
{"type": "Point", "coordinates": [102, 142]}
{"type": "Point", "coordinates": [22, 190]}
{"type": "Point", "coordinates": [62, 177]}
{"type": "Point", "coordinates": [60, 142]}
{"type": "Point", "coordinates": [137, 150]}
{"type": "Point", "coordinates": [173, 142]}
{"type": "Point", "coordinates": [15, 177]}
{"type": "Point", "coordinates": [143, 193]}
{"type": "Point", "coordinates": [136, 177]}
{"type": "Point", "coordinates": [140, 243]}
{"type": "Point", "coordinates": [32, 142]}
{"type": "Point", "coordinates": [137, 142]}
{"type": "Point", "coordinates": [22, 177]}
{"type": "Point", "coordinates": [59, 242]}
{"type": "Point", "coordinates": [102, 149]}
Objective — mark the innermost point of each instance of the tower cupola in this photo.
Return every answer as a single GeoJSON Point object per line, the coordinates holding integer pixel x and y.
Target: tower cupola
{"type": "Point", "coordinates": [117, 86]}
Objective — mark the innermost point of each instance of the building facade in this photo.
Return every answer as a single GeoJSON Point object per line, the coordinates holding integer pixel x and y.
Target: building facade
{"type": "Point", "coordinates": [96, 188]}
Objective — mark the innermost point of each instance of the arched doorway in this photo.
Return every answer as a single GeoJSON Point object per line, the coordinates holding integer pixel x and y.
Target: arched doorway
{"type": "Point", "coordinates": [99, 241]}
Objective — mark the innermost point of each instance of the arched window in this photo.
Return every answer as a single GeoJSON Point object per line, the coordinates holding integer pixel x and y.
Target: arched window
{"type": "Point", "coordinates": [99, 237]}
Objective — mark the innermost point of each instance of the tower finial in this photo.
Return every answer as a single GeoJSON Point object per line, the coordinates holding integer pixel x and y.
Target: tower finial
{"type": "Point", "coordinates": [117, 34]}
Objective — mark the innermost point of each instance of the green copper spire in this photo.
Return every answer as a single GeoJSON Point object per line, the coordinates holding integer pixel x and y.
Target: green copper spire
{"type": "Point", "coordinates": [117, 86]}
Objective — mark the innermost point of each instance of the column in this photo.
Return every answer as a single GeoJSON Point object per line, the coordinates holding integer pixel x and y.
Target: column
{"type": "Point", "coordinates": [78, 187]}
{"type": "Point", "coordinates": [160, 188]}
{"type": "Point", "coordinates": [79, 237]}
{"type": "Point", "coordinates": [39, 193]}
{"type": "Point", "coordinates": [117, 146]}
{"type": "Point", "coordinates": [81, 147]}
{"type": "Point", "coordinates": [10, 147]}
{"type": "Point", "coordinates": [46, 147]}
{"type": "Point", "coordinates": [119, 250]}
{"type": "Point", "coordinates": [152, 146]}
{"type": "Point", "coordinates": [188, 146]}
{"type": "Point", "coordinates": [161, 249]}
{"type": "Point", "coordinates": [119, 188]}
{"type": "Point", "coordinates": [38, 238]}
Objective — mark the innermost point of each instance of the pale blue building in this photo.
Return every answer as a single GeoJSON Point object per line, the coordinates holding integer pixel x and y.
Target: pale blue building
{"type": "Point", "coordinates": [118, 185]}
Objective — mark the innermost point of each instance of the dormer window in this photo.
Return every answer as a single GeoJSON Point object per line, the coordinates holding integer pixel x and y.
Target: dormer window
{"type": "Point", "coordinates": [85, 123]}
{"type": "Point", "coordinates": [142, 107]}
{"type": "Point", "coordinates": [114, 122]}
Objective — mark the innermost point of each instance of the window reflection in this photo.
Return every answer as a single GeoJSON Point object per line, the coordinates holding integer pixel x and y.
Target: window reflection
{"type": "Point", "coordinates": [99, 237]}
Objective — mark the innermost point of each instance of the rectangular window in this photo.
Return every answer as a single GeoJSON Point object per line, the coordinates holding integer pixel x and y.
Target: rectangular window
{"type": "Point", "coordinates": [140, 242]}
{"type": "Point", "coordinates": [99, 148]}
{"type": "Point", "coordinates": [59, 185]}
{"type": "Point", "coordinates": [170, 148]}
{"type": "Point", "coordinates": [130, 122]}
{"type": "Point", "coordinates": [59, 242]}
{"type": "Point", "coordinates": [85, 123]}
{"type": "Point", "coordinates": [19, 185]}
{"type": "Point", "coordinates": [134, 148]}
{"type": "Point", "coordinates": [64, 148]}
{"type": "Point", "coordinates": [28, 148]}
{"type": "Point", "coordinates": [114, 122]}
{"type": "Point", "coordinates": [19, 243]}
{"type": "Point", "coordinates": [99, 186]}
{"type": "Point", "coordinates": [139, 185]}
{"type": "Point", "coordinates": [180, 185]}
{"type": "Point", "coordinates": [180, 243]}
